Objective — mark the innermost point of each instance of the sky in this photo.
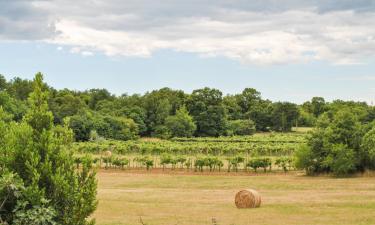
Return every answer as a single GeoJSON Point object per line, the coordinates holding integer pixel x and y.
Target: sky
{"type": "Point", "coordinates": [289, 50]}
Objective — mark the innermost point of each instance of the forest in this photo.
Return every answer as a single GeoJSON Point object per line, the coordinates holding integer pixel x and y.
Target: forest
{"type": "Point", "coordinates": [167, 113]}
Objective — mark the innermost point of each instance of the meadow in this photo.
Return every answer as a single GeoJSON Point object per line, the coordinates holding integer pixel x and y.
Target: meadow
{"type": "Point", "coordinates": [180, 195]}
{"type": "Point", "coordinates": [162, 199]}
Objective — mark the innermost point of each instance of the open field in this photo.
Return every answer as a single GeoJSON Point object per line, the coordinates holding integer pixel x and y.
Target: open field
{"type": "Point", "coordinates": [163, 199]}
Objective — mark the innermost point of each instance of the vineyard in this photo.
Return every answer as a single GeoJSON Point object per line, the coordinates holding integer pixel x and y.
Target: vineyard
{"type": "Point", "coordinates": [263, 151]}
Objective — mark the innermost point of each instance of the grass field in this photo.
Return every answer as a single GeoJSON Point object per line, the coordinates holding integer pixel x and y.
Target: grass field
{"type": "Point", "coordinates": [167, 199]}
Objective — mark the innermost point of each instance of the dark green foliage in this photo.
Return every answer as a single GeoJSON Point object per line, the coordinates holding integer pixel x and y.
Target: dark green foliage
{"type": "Point", "coordinates": [81, 126]}
{"type": "Point", "coordinates": [159, 105]}
{"type": "Point", "coordinates": [16, 108]}
{"type": "Point", "coordinates": [255, 108]}
{"type": "Point", "coordinates": [316, 106]}
{"type": "Point", "coordinates": [260, 163]}
{"type": "Point", "coordinates": [284, 116]}
{"type": "Point", "coordinates": [305, 119]}
{"type": "Point", "coordinates": [120, 162]}
{"type": "Point", "coordinates": [64, 104]}
{"type": "Point", "coordinates": [40, 214]}
{"type": "Point", "coordinates": [37, 153]}
{"type": "Point", "coordinates": [137, 114]}
{"type": "Point", "coordinates": [161, 131]}
{"type": "Point", "coordinates": [145, 161]}
{"type": "Point", "coordinates": [20, 88]}
{"type": "Point", "coordinates": [368, 149]}
{"type": "Point", "coordinates": [241, 127]}
{"type": "Point", "coordinates": [337, 145]}
{"type": "Point", "coordinates": [157, 113]}
{"type": "Point", "coordinates": [234, 162]}
{"type": "Point", "coordinates": [3, 83]}
{"type": "Point", "coordinates": [207, 109]}
{"type": "Point", "coordinates": [209, 161]}
{"type": "Point", "coordinates": [341, 160]}
{"type": "Point", "coordinates": [97, 95]}
{"type": "Point", "coordinates": [119, 128]}
{"type": "Point", "coordinates": [181, 124]}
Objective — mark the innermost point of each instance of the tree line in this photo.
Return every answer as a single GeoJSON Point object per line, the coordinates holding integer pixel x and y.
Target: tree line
{"type": "Point", "coordinates": [169, 113]}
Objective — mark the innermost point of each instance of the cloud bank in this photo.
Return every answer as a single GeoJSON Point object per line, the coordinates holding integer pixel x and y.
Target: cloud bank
{"type": "Point", "coordinates": [252, 32]}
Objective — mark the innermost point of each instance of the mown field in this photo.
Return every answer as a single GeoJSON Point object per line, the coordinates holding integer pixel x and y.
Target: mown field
{"type": "Point", "coordinates": [163, 199]}
{"type": "Point", "coordinates": [175, 193]}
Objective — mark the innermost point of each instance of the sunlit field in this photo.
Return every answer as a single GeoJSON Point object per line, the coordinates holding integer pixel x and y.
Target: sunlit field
{"type": "Point", "coordinates": [162, 199]}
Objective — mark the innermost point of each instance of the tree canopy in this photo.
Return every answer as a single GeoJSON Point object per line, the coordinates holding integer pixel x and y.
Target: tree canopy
{"type": "Point", "coordinates": [155, 113]}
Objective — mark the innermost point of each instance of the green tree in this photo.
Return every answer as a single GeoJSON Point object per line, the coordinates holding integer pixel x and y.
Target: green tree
{"type": "Point", "coordinates": [334, 146]}
{"type": "Point", "coordinates": [20, 88]}
{"type": "Point", "coordinates": [233, 108]}
{"type": "Point", "coordinates": [39, 154]}
{"type": "Point", "coordinates": [181, 124]}
{"type": "Point", "coordinates": [284, 115]}
{"type": "Point", "coordinates": [3, 83]}
{"type": "Point", "coordinates": [97, 95]}
{"type": "Point", "coordinates": [120, 128]}
{"type": "Point", "coordinates": [13, 106]}
{"type": "Point", "coordinates": [206, 107]}
{"type": "Point", "coordinates": [368, 149]}
{"type": "Point", "coordinates": [248, 99]}
{"type": "Point", "coordinates": [65, 104]}
{"type": "Point", "coordinates": [318, 106]}
{"type": "Point", "coordinates": [160, 104]}
{"type": "Point", "coordinates": [81, 125]}
{"type": "Point", "coordinates": [241, 127]}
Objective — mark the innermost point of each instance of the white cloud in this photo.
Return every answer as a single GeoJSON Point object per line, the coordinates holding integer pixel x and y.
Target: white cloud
{"type": "Point", "coordinates": [87, 53]}
{"type": "Point", "coordinates": [264, 32]}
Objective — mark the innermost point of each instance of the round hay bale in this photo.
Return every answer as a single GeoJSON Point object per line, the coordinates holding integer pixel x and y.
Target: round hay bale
{"type": "Point", "coordinates": [248, 198]}
{"type": "Point", "coordinates": [108, 153]}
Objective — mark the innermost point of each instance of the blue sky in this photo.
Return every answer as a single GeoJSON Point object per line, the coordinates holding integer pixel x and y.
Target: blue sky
{"type": "Point", "coordinates": [289, 52]}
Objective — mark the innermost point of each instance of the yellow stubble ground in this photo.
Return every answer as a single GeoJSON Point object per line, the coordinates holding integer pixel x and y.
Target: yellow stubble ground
{"type": "Point", "coordinates": [167, 199]}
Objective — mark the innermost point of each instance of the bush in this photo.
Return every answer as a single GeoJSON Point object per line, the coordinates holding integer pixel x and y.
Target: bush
{"type": "Point", "coordinates": [260, 163]}
{"type": "Point", "coordinates": [306, 160]}
{"type": "Point", "coordinates": [335, 146]}
{"type": "Point", "coordinates": [241, 127]}
{"type": "Point", "coordinates": [162, 132]}
{"type": "Point", "coordinates": [89, 126]}
{"type": "Point", "coordinates": [40, 157]}
{"type": "Point", "coordinates": [368, 149]}
{"type": "Point", "coordinates": [181, 124]}
{"type": "Point", "coordinates": [285, 163]}
{"type": "Point", "coordinates": [234, 162]}
{"type": "Point", "coordinates": [341, 160]}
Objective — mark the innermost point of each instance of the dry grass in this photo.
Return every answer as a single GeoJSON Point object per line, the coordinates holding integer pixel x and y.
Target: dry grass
{"type": "Point", "coordinates": [195, 200]}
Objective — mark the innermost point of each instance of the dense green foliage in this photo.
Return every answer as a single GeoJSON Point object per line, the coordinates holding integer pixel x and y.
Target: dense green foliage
{"type": "Point", "coordinates": [340, 143]}
{"type": "Point", "coordinates": [181, 124]}
{"type": "Point", "coordinates": [161, 113]}
{"type": "Point", "coordinates": [39, 183]}
{"type": "Point", "coordinates": [241, 127]}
